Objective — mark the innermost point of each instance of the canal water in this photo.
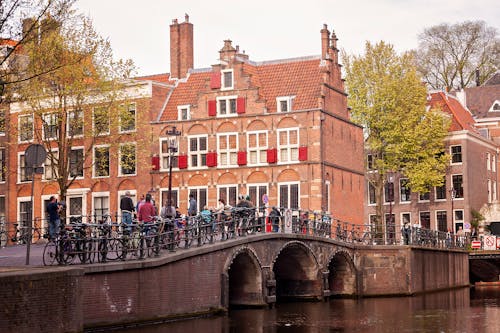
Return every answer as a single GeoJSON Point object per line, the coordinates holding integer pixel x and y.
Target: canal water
{"type": "Point", "coordinates": [463, 310]}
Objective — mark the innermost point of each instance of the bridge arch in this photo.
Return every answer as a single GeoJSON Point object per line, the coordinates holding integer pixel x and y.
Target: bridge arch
{"type": "Point", "coordinates": [342, 274]}
{"type": "Point", "coordinates": [243, 274]}
{"type": "Point", "coordinates": [297, 272]}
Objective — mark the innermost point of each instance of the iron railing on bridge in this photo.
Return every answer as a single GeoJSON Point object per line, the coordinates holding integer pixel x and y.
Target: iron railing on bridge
{"type": "Point", "coordinates": [91, 239]}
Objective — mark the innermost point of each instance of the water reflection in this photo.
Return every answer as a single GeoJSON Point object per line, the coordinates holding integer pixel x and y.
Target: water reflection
{"type": "Point", "coordinates": [453, 311]}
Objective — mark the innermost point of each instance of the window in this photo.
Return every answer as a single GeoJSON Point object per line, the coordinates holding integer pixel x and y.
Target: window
{"type": "Point", "coordinates": [127, 118]}
{"type": "Point", "coordinates": [389, 192]}
{"type": "Point", "coordinates": [288, 145]}
{"type": "Point", "coordinates": [183, 112]}
{"type": "Point", "coordinates": [424, 196]}
{"type": "Point", "coordinates": [441, 191]}
{"type": "Point", "coordinates": [425, 220]}
{"type": "Point", "coordinates": [24, 212]}
{"type": "Point", "coordinates": [50, 124]}
{"type": "Point", "coordinates": [101, 121]}
{"type": "Point", "coordinates": [2, 209]}
{"type": "Point", "coordinates": [405, 218]}
{"type": "Point", "coordinates": [488, 161]}
{"type": "Point", "coordinates": [284, 103]}
{"type": "Point", "coordinates": [227, 79]}
{"type": "Point", "coordinates": [494, 189]}
{"type": "Point", "coordinates": [24, 171]}
{"type": "Point", "coordinates": [369, 162]}
{"type": "Point", "coordinates": [200, 195]}
{"type": "Point", "coordinates": [257, 147]}
{"type": "Point", "coordinates": [50, 166]}
{"type": "Point", "coordinates": [227, 147]}
{"type": "Point", "coordinates": [458, 215]}
{"type": "Point", "coordinates": [175, 197]}
{"type": "Point", "coordinates": [101, 161]}
{"type": "Point", "coordinates": [2, 122]}
{"type": "Point", "coordinates": [404, 190]}
{"type": "Point", "coordinates": [75, 123]}
{"type": "Point", "coordinates": [372, 198]}
{"type": "Point", "coordinates": [484, 132]}
{"type": "Point", "coordinates": [456, 154]}
{"type": "Point", "coordinates": [495, 107]}
{"type": "Point", "coordinates": [3, 165]}
{"type": "Point", "coordinates": [493, 163]}
{"type": "Point", "coordinates": [101, 206]}
{"type": "Point", "coordinates": [127, 159]}
{"type": "Point", "coordinates": [442, 220]}
{"type": "Point", "coordinates": [489, 190]}
{"type": "Point", "coordinates": [226, 105]}
{"type": "Point", "coordinates": [165, 155]}
{"type": "Point", "coordinates": [256, 192]}
{"type": "Point", "coordinates": [228, 193]}
{"type": "Point", "coordinates": [289, 195]}
{"type": "Point", "coordinates": [457, 183]}
{"type": "Point", "coordinates": [75, 208]}
{"type": "Point", "coordinates": [25, 128]}
{"type": "Point", "coordinates": [76, 162]}
{"type": "Point", "coordinates": [198, 151]}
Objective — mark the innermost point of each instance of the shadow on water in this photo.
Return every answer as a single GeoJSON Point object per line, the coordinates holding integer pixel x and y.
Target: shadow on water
{"type": "Point", "coordinates": [462, 310]}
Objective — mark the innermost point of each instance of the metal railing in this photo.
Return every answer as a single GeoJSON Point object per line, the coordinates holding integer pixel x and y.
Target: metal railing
{"type": "Point", "coordinates": [91, 239]}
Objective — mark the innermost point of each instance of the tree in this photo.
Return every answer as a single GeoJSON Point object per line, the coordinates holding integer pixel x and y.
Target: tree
{"type": "Point", "coordinates": [81, 102]}
{"type": "Point", "coordinates": [449, 55]}
{"type": "Point", "coordinates": [19, 19]}
{"type": "Point", "coordinates": [389, 100]}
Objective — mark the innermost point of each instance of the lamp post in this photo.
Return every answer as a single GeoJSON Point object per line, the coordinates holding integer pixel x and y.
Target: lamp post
{"type": "Point", "coordinates": [390, 194]}
{"type": "Point", "coordinates": [173, 147]}
{"type": "Point", "coordinates": [453, 192]}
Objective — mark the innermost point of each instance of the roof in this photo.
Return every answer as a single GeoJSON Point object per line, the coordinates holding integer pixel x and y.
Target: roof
{"type": "Point", "coordinates": [480, 99]}
{"type": "Point", "coordinates": [461, 117]}
{"type": "Point", "coordinates": [298, 77]}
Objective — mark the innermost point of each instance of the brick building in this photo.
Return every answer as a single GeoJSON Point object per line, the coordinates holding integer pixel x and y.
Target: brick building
{"type": "Point", "coordinates": [470, 181]}
{"type": "Point", "coordinates": [279, 128]}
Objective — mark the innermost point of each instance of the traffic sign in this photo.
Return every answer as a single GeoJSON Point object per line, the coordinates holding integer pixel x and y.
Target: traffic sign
{"type": "Point", "coordinates": [490, 243]}
{"type": "Point", "coordinates": [476, 244]}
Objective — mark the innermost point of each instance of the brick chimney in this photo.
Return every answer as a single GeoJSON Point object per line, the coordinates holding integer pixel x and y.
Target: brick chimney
{"type": "Point", "coordinates": [325, 41]}
{"type": "Point", "coordinates": [181, 48]}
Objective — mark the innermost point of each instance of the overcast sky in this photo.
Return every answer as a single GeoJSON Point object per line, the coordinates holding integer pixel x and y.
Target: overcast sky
{"type": "Point", "coordinates": [271, 29]}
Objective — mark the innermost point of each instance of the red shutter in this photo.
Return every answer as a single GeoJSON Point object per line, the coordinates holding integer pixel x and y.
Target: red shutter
{"type": "Point", "coordinates": [272, 155]}
{"type": "Point", "coordinates": [211, 159]}
{"type": "Point", "coordinates": [242, 158]}
{"type": "Point", "coordinates": [155, 163]}
{"type": "Point", "coordinates": [182, 161]}
{"type": "Point", "coordinates": [215, 80]}
{"type": "Point", "coordinates": [240, 105]}
{"type": "Point", "coordinates": [212, 108]}
{"type": "Point", "coordinates": [303, 153]}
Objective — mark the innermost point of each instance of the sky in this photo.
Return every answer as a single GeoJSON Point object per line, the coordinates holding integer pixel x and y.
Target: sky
{"type": "Point", "coordinates": [271, 29]}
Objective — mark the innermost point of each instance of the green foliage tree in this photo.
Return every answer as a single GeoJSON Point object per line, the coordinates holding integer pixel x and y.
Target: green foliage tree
{"type": "Point", "coordinates": [389, 100]}
{"type": "Point", "coordinates": [449, 55]}
{"type": "Point", "coordinates": [81, 102]}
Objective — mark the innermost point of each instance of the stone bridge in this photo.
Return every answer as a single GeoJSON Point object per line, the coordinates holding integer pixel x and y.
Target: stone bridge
{"type": "Point", "coordinates": [256, 270]}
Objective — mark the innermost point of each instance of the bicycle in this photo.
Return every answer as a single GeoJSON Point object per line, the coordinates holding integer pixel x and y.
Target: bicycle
{"type": "Point", "coordinates": [21, 234]}
{"type": "Point", "coordinates": [62, 249]}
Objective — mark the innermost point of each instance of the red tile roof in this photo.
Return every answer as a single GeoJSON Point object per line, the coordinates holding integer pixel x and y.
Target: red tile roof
{"type": "Point", "coordinates": [461, 118]}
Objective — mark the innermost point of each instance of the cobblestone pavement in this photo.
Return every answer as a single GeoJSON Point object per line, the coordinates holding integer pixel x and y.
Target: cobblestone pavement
{"type": "Point", "coordinates": [15, 255]}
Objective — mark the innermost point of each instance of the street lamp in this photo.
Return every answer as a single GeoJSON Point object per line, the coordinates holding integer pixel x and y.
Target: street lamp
{"type": "Point", "coordinates": [390, 194]}
{"type": "Point", "coordinates": [173, 147]}
{"type": "Point", "coordinates": [453, 192]}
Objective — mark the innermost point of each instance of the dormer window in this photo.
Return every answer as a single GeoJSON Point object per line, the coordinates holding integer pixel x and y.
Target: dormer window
{"type": "Point", "coordinates": [227, 79]}
{"type": "Point", "coordinates": [495, 107]}
{"type": "Point", "coordinates": [183, 112]}
{"type": "Point", "coordinates": [284, 103]}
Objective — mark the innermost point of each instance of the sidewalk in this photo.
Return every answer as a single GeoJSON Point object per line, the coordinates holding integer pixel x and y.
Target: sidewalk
{"type": "Point", "coordinates": [15, 255]}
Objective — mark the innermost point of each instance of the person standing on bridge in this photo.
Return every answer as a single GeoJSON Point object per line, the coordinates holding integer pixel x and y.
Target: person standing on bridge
{"type": "Point", "coordinates": [127, 208]}
{"type": "Point", "coordinates": [406, 231]}
{"type": "Point", "coordinates": [53, 209]}
{"type": "Point", "coordinates": [274, 216]}
{"type": "Point", "coordinates": [192, 209]}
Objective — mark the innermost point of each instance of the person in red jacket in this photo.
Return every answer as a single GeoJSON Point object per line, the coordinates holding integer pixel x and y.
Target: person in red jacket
{"type": "Point", "coordinates": [146, 210]}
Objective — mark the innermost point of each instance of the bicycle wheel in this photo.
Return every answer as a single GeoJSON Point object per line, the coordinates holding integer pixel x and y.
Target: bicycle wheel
{"type": "Point", "coordinates": [68, 250]}
{"type": "Point", "coordinates": [50, 253]}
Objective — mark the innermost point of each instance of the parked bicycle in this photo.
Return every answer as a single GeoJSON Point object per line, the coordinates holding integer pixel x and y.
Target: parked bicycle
{"type": "Point", "coordinates": [21, 235]}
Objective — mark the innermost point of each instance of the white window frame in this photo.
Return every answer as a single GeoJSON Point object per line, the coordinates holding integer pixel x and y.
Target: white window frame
{"type": "Point", "coordinates": [49, 119]}
{"type": "Point", "coordinates": [289, 197]}
{"type": "Point", "coordinates": [420, 217]}
{"type": "Point", "coordinates": [493, 163]}
{"type": "Point", "coordinates": [94, 122]}
{"type": "Point", "coordinates": [494, 196]}
{"type": "Point", "coordinates": [227, 100]}
{"type": "Point", "coordinates": [492, 107]}
{"type": "Point", "coordinates": [165, 155]}
{"type": "Point", "coordinates": [436, 221]}
{"type": "Point", "coordinates": [99, 195]}
{"type": "Point", "coordinates": [463, 189]}
{"type": "Point", "coordinates": [288, 147]}
{"type": "Point", "coordinates": [455, 221]}
{"type": "Point", "coordinates": [128, 106]}
{"type": "Point", "coordinates": [165, 189]}
{"type": "Point", "coordinates": [18, 210]}
{"type": "Point", "coordinates": [94, 173]}
{"type": "Point", "coordinates": [289, 103]}
{"type": "Point", "coordinates": [198, 153]}
{"type": "Point", "coordinates": [20, 131]}
{"type": "Point", "coordinates": [120, 170]}
{"type": "Point", "coordinates": [461, 155]}
{"type": "Point", "coordinates": [180, 109]}
{"type": "Point", "coordinates": [55, 153]}
{"type": "Point", "coordinates": [257, 185]}
{"type": "Point", "coordinates": [374, 203]}
{"type": "Point", "coordinates": [227, 186]}
{"type": "Point", "coordinates": [19, 173]}
{"type": "Point", "coordinates": [232, 153]}
{"type": "Point", "coordinates": [70, 116]}
{"type": "Point", "coordinates": [424, 200]}
{"type": "Point", "coordinates": [488, 161]}
{"type": "Point", "coordinates": [401, 217]}
{"type": "Point", "coordinates": [223, 81]}
{"type": "Point", "coordinates": [405, 202]}
{"type": "Point", "coordinates": [197, 189]}
{"type": "Point", "coordinates": [258, 150]}
{"type": "Point", "coordinates": [75, 193]}
{"type": "Point", "coordinates": [82, 148]}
